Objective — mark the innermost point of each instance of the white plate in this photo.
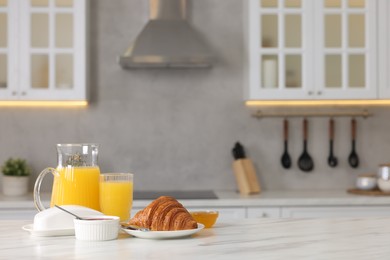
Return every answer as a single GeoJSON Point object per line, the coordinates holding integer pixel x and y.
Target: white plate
{"type": "Point", "coordinates": [48, 233]}
{"type": "Point", "coordinates": [164, 234]}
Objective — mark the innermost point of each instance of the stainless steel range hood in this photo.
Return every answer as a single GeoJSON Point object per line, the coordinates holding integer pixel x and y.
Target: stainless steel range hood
{"type": "Point", "coordinates": [167, 40]}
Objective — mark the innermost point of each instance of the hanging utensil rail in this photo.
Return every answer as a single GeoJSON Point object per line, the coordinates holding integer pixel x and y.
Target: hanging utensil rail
{"type": "Point", "coordinates": [261, 114]}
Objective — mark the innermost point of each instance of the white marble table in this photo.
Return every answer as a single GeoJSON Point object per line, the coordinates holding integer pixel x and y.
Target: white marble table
{"type": "Point", "coordinates": [249, 239]}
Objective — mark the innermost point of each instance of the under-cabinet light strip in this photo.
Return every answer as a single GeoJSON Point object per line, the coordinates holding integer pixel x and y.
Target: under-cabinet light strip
{"type": "Point", "coordinates": [263, 114]}
{"type": "Point", "coordinates": [43, 103]}
{"type": "Point", "coordinates": [287, 103]}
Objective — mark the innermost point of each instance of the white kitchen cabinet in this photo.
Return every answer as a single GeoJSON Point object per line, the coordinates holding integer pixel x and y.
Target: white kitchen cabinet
{"type": "Point", "coordinates": [321, 50]}
{"type": "Point", "coordinates": [264, 212]}
{"type": "Point", "coordinates": [43, 49]}
{"type": "Point", "coordinates": [383, 49]}
{"type": "Point", "coordinates": [234, 213]}
{"type": "Point", "coordinates": [225, 213]}
{"type": "Point", "coordinates": [334, 212]}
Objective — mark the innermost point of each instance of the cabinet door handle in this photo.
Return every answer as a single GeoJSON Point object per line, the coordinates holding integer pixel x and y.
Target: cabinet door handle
{"type": "Point", "coordinates": [264, 215]}
{"type": "Point", "coordinates": [310, 93]}
{"type": "Point", "coordinates": [319, 93]}
{"type": "Point", "coordinates": [24, 93]}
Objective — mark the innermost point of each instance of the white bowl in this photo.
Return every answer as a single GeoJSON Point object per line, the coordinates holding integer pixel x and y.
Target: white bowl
{"type": "Point", "coordinates": [384, 185]}
{"type": "Point", "coordinates": [366, 182]}
{"type": "Point", "coordinates": [97, 228]}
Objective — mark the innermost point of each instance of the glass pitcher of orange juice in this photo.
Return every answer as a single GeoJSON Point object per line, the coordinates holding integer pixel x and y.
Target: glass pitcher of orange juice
{"type": "Point", "coordinates": [76, 177]}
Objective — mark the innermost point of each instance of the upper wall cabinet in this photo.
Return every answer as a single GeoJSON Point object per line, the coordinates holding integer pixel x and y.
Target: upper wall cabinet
{"type": "Point", "coordinates": [305, 49]}
{"type": "Point", "coordinates": [43, 49]}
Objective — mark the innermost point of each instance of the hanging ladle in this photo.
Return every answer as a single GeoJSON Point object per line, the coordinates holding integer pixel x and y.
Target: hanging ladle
{"type": "Point", "coordinates": [286, 159]}
{"type": "Point", "coordinates": [332, 160]}
{"type": "Point", "coordinates": [353, 158]}
{"type": "Point", "coordinates": [305, 162]}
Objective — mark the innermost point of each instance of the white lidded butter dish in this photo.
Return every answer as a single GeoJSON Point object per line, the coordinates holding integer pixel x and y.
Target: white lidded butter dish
{"type": "Point", "coordinates": [97, 228]}
{"type": "Point", "coordinates": [55, 222]}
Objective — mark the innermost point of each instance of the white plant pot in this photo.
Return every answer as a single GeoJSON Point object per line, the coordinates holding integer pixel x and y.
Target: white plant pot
{"type": "Point", "coordinates": [15, 185]}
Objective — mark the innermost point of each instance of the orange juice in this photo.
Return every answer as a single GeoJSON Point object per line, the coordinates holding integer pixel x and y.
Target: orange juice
{"type": "Point", "coordinates": [116, 198]}
{"type": "Point", "coordinates": [76, 186]}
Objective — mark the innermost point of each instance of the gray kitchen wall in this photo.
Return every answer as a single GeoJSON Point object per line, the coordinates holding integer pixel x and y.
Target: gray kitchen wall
{"type": "Point", "coordinates": [174, 129]}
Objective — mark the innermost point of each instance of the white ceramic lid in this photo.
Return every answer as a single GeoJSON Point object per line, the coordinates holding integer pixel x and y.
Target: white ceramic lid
{"type": "Point", "coordinates": [56, 219]}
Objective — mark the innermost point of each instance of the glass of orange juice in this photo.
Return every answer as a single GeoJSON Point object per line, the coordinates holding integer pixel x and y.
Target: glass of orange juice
{"type": "Point", "coordinates": [116, 194]}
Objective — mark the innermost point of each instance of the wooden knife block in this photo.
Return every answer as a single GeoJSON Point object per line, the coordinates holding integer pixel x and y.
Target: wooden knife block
{"type": "Point", "coordinates": [246, 178]}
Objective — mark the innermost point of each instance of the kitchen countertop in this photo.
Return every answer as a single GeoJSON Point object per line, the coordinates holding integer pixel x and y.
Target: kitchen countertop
{"type": "Point", "coordinates": [233, 199]}
{"type": "Point", "coordinates": [249, 239]}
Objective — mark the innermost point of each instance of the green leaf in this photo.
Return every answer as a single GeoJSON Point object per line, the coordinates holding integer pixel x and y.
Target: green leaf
{"type": "Point", "coordinates": [15, 167]}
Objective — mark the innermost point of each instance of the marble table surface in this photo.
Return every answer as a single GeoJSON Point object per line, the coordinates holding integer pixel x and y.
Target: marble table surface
{"type": "Point", "coordinates": [249, 239]}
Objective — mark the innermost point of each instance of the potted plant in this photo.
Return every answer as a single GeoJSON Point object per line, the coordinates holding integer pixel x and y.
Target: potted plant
{"type": "Point", "coordinates": [15, 177]}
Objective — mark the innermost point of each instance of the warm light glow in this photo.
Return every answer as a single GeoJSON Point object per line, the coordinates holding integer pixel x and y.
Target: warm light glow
{"type": "Point", "coordinates": [287, 103]}
{"type": "Point", "coordinates": [43, 103]}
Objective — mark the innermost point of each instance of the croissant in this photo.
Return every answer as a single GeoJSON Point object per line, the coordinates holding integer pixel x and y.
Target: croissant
{"type": "Point", "coordinates": [164, 214]}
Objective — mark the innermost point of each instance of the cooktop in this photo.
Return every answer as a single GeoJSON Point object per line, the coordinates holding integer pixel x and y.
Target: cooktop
{"type": "Point", "coordinates": [188, 194]}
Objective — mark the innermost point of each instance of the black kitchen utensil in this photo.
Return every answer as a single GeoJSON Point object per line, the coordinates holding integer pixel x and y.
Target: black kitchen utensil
{"type": "Point", "coordinates": [238, 151]}
{"type": "Point", "coordinates": [305, 162]}
{"type": "Point", "coordinates": [332, 160]}
{"type": "Point", "coordinates": [353, 158]}
{"type": "Point", "coordinates": [286, 159]}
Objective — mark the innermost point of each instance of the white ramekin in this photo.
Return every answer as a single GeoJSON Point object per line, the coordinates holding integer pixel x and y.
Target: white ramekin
{"type": "Point", "coordinates": [98, 228]}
